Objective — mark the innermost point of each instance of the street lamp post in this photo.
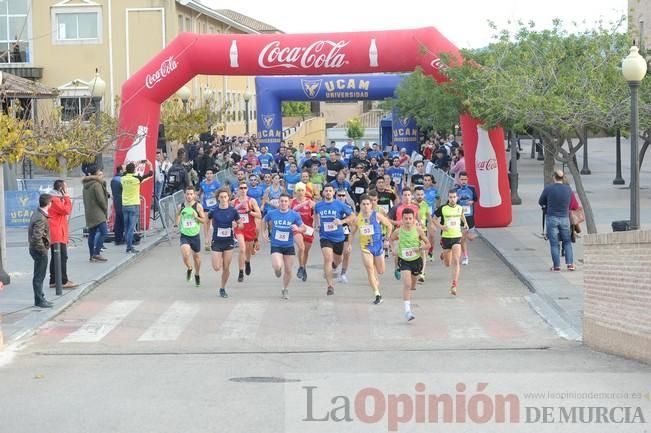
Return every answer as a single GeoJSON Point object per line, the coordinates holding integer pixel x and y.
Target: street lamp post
{"type": "Point", "coordinates": [619, 180]}
{"type": "Point", "coordinates": [634, 69]}
{"type": "Point", "coordinates": [97, 88]}
{"type": "Point", "coordinates": [247, 98]}
{"type": "Point", "coordinates": [184, 94]}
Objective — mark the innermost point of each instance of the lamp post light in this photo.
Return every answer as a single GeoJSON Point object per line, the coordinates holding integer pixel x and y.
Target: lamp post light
{"type": "Point", "coordinates": [619, 180]}
{"type": "Point", "coordinates": [247, 98]}
{"type": "Point", "coordinates": [184, 94]}
{"type": "Point", "coordinates": [208, 95]}
{"type": "Point", "coordinates": [585, 169]}
{"type": "Point", "coordinates": [634, 69]}
{"type": "Point", "coordinates": [97, 89]}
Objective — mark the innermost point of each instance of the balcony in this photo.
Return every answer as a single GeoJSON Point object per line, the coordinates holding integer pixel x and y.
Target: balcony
{"type": "Point", "coordinates": [22, 70]}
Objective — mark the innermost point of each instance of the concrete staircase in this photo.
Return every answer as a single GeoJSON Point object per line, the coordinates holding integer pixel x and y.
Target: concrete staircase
{"type": "Point", "coordinates": [370, 122]}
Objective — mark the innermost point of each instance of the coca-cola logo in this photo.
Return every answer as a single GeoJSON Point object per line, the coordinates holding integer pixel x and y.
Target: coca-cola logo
{"type": "Point", "coordinates": [319, 54]}
{"type": "Point", "coordinates": [163, 71]}
{"type": "Point", "coordinates": [488, 164]}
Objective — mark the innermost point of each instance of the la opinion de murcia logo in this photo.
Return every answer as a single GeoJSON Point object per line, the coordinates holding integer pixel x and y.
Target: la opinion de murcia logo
{"type": "Point", "coordinates": [319, 54]}
{"type": "Point", "coordinates": [311, 87]}
{"type": "Point", "coordinates": [166, 67]}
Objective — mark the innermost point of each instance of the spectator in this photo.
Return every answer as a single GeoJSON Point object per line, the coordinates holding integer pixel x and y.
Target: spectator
{"type": "Point", "coordinates": [96, 212]}
{"type": "Point", "coordinates": [459, 164]}
{"type": "Point", "coordinates": [116, 194]}
{"type": "Point", "coordinates": [59, 212]}
{"type": "Point", "coordinates": [39, 242]}
{"type": "Point", "coordinates": [131, 200]}
{"type": "Point", "coordinates": [555, 201]}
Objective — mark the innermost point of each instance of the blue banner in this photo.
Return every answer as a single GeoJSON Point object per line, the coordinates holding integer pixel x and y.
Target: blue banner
{"type": "Point", "coordinates": [405, 132]}
{"type": "Point", "coordinates": [271, 91]}
{"type": "Point", "coordinates": [19, 206]}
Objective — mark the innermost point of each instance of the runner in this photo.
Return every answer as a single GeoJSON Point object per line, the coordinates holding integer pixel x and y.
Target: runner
{"type": "Point", "coordinates": [224, 218]}
{"type": "Point", "coordinates": [452, 221]}
{"type": "Point", "coordinates": [411, 241]}
{"type": "Point", "coordinates": [331, 215]}
{"type": "Point", "coordinates": [189, 219]}
{"type": "Point", "coordinates": [395, 215]}
{"type": "Point", "coordinates": [207, 189]}
{"type": "Point", "coordinates": [281, 225]}
{"type": "Point", "coordinates": [270, 199]}
{"type": "Point", "coordinates": [342, 197]}
{"type": "Point", "coordinates": [292, 177]}
{"type": "Point", "coordinates": [305, 208]}
{"type": "Point", "coordinates": [433, 200]}
{"type": "Point", "coordinates": [425, 219]}
{"type": "Point", "coordinates": [387, 199]}
{"type": "Point", "coordinates": [467, 196]}
{"type": "Point", "coordinates": [371, 224]}
{"type": "Point", "coordinates": [249, 212]}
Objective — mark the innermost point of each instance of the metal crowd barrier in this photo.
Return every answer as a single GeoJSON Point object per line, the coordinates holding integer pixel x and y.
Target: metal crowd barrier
{"type": "Point", "coordinates": [226, 175]}
{"type": "Point", "coordinates": [444, 183]}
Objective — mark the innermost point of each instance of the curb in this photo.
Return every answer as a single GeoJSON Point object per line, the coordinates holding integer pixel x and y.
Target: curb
{"type": "Point", "coordinates": [542, 304]}
{"type": "Point", "coordinates": [83, 290]}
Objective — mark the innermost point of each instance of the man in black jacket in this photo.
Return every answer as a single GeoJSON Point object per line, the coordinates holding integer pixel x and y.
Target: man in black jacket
{"type": "Point", "coordinates": [116, 193]}
{"type": "Point", "coordinates": [38, 236]}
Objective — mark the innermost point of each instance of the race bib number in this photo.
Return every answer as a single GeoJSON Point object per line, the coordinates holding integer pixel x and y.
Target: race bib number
{"type": "Point", "coordinates": [397, 180]}
{"type": "Point", "coordinates": [359, 190]}
{"type": "Point", "coordinates": [367, 230]}
{"type": "Point", "coordinates": [189, 224]}
{"type": "Point", "coordinates": [385, 208]}
{"type": "Point", "coordinates": [281, 236]}
{"type": "Point", "coordinates": [329, 227]}
{"type": "Point", "coordinates": [346, 230]}
{"type": "Point", "coordinates": [223, 232]}
{"type": "Point", "coordinates": [210, 202]}
{"type": "Point", "coordinates": [409, 253]}
{"type": "Point", "coordinates": [244, 218]}
{"type": "Point", "coordinates": [309, 231]}
{"type": "Point", "coordinates": [454, 223]}
{"type": "Point", "coordinates": [290, 186]}
{"type": "Point", "coordinates": [467, 210]}
{"type": "Point", "coordinates": [265, 165]}
{"type": "Point", "coordinates": [332, 173]}
{"type": "Point", "coordinates": [274, 202]}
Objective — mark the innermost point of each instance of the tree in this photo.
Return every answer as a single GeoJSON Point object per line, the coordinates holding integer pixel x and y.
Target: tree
{"type": "Point", "coordinates": [296, 108]}
{"type": "Point", "coordinates": [560, 84]}
{"type": "Point", "coordinates": [355, 130]}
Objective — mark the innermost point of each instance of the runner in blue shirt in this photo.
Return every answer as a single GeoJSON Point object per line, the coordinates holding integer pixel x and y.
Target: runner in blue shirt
{"type": "Point", "coordinates": [347, 150]}
{"type": "Point", "coordinates": [207, 189]}
{"type": "Point", "coordinates": [397, 174]}
{"type": "Point", "coordinates": [331, 215]}
{"type": "Point", "coordinates": [467, 196]}
{"type": "Point", "coordinates": [432, 199]}
{"type": "Point", "coordinates": [340, 181]}
{"type": "Point", "coordinates": [271, 198]}
{"type": "Point", "coordinates": [256, 191]}
{"type": "Point", "coordinates": [266, 160]}
{"type": "Point", "coordinates": [292, 177]}
{"type": "Point", "coordinates": [224, 219]}
{"type": "Point", "coordinates": [280, 226]}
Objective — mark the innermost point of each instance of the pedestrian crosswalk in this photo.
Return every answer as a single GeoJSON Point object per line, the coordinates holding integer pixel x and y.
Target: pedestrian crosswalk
{"type": "Point", "coordinates": [309, 321]}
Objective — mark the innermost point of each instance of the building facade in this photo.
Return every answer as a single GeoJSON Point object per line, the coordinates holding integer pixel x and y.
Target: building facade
{"type": "Point", "coordinates": [61, 43]}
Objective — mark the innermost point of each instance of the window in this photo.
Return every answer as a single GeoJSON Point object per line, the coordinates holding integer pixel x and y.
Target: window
{"type": "Point", "coordinates": [76, 106]}
{"type": "Point", "coordinates": [188, 25]}
{"type": "Point", "coordinates": [180, 23]}
{"type": "Point", "coordinates": [15, 31]}
{"type": "Point", "coordinates": [77, 25]}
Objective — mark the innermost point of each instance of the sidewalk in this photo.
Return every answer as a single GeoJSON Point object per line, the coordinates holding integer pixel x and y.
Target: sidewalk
{"type": "Point", "coordinates": [19, 317]}
{"type": "Point", "coordinates": [558, 297]}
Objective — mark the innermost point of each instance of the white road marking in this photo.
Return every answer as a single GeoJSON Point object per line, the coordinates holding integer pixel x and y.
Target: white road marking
{"type": "Point", "coordinates": [243, 321]}
{"type": "Point", "coordinates": [171, 323]}
{"type": "Point", "coordinates": [104, 322]}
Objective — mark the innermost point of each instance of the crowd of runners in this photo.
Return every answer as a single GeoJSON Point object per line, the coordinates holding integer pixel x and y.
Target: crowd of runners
{"type": "Point", "coordinates": [385, 202]}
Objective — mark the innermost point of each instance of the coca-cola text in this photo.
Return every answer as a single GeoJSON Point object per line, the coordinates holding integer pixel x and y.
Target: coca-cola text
{"type": "Point", "coordinates": [163, 71]}
{"type": "Point", "coordinates": [490, 164]}
{"type": "Point", "coordinates": [319, 54]}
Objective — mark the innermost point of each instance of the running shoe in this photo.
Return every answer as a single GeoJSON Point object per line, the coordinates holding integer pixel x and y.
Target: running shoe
{"type": "Point", "coordinates": [330, 291]}
{"type": "Point", "coordinates": [453, 288]}
{"type": "Point", "coordinates": [304, 276]}
{"type": "Point", "coordinates": [430, 257]}
{"type": "Point", "coordinates": [285, 293]}
{"type": "Point", "coordinates": [299, 273]}
{"type": "Point", "coordinates": [222, 293]}
{"type": "Point", "coordinates": [240, 277]}
{"type": "Point", "coordinates": [278, 273]}
{"type": "Point", "coordinates": [207, 247]}
{"type": "Point", "coordinates": [421, 278]}
{"type": "Point", "coordinates": [343, 278]}
{"type": "Point", "coordinates": [188, 275]}
{"type": "Point", "coordinates": [464, 261]}
{"type": "Point", "coordinates": [409, 316]}
{"type": "Point", "coordinates": [396, 273]}
{"type": "Point", "coordinates": [247, 268]}
{"type": "Point", "coordinates": [197, 280]}
{"type": "Point", "coordinates": [236, 244]}
{"type": "Point", "coordinates": [378, 299]}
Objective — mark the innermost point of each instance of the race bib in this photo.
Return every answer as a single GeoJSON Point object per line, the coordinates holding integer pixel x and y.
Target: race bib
{"type": "Point", "coordinates": [224, 232]}
{"type": "Point", "coordinates": [397, 180]}
{"type": "Point", "coordinates": [265, 165]}
{"type": "Point", "coordinates": [332, 173]}
{"type": "Point", "coordinates": [189, 223]}
{"type": "Point", "coordinates": [367, 230]}
{"type": "Point", "coordinates": [385, 208]}
{"type": "Point", "coordinates": [274, 202]}
{"type": "Point", "coordinates": [359, 190]}
{"type": "Point", "coordinates": [210, 202]}
{"type": "Point", "coordinates": [454, 222]}
{"type": "Point", "coordinates": [290, 186]}
{"type": "Point", "coordinates": [329, 227]}
{"type": "Point", "coordinates": [410, 253]}
{"type": "Point", "coordinates": [244, 218]}
{"type": "Point", "coordinates": [281, 236]}
{"type": "Point", "coordinates": [467, 210]}
{"type": "Point", "coordinates": [346, 230]}
{"type": "Point", "coordinates": [309, 231]}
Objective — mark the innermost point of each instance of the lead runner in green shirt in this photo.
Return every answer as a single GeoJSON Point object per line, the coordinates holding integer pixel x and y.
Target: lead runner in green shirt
{"type": "Point", "coordinates": [451, 224]}
{"type": "Point", "coordinates": [189, 218]}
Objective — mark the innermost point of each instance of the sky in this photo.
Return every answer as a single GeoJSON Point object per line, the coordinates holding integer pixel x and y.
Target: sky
{"type": "Point", "coordinates": [463, 22]}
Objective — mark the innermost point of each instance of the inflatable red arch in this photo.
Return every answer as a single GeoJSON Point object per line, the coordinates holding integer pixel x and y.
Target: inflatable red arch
{"type": "Point", "coordinates": [306, 54]}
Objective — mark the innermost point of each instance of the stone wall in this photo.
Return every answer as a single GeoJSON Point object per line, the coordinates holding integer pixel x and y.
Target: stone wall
{"type": "Point", "coordinates": [617, 310]}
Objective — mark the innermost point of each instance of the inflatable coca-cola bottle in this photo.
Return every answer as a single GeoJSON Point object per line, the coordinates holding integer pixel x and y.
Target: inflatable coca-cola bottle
{"type": "Point", "coordinates": [487, 171]}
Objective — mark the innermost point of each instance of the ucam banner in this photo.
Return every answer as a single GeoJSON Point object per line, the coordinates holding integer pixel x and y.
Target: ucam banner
{"type": "Point", "coordinates": [271, 91]}
{"type": "Point", "coordinates": [19, 207]}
